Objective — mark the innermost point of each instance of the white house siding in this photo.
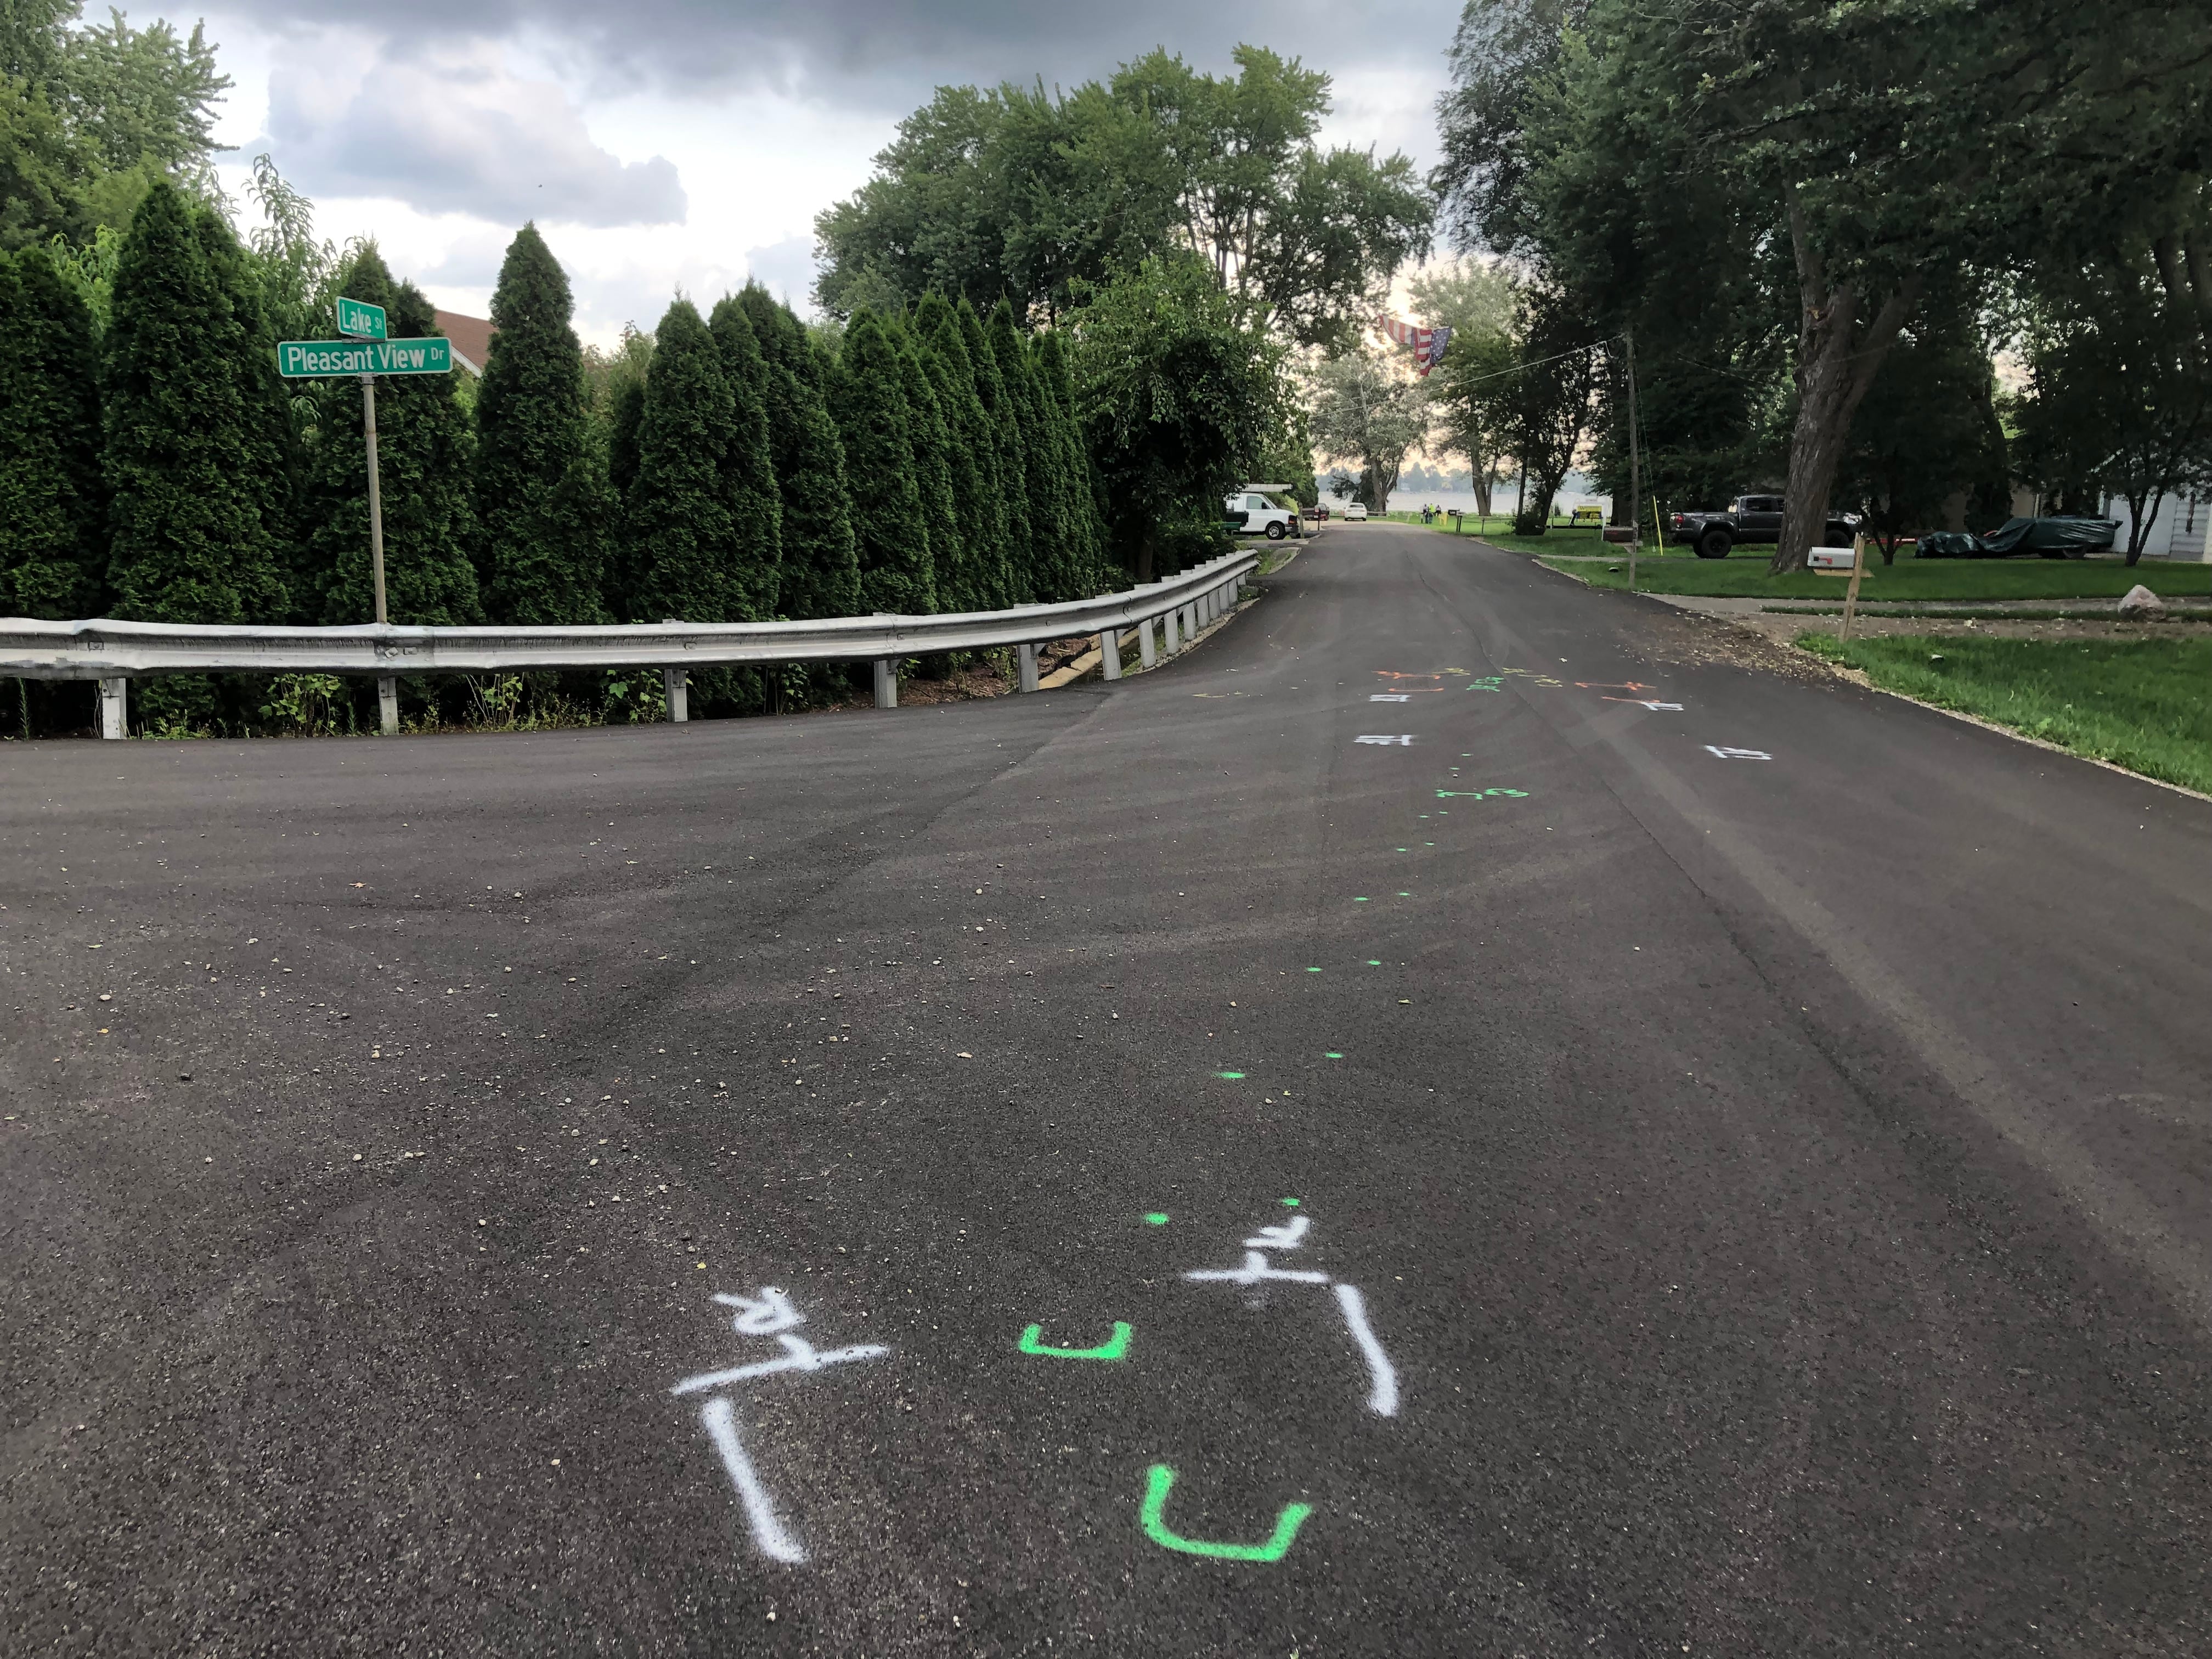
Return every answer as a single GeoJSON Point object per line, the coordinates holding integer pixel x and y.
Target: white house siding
{"type": "Point", "coordinates": [2178, 527]}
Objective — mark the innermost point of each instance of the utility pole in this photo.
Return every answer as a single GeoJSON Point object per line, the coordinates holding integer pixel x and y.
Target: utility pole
{"type": "Point", "coordinates": [387, 686]}
{"type": "Point", "coordinates": [1635, 467]}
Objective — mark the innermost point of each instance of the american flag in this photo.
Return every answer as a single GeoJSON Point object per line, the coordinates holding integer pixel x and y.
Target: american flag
{"type": "Point", "coordinates": [1427, 344]}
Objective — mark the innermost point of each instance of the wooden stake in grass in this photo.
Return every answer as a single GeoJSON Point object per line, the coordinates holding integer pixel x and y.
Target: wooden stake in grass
{"type": "Point", "coordinates": [1851, 593]}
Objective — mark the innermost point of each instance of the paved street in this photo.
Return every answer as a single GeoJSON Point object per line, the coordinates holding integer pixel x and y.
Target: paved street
{"type": "Point", "coordinates": [1451, 1120]}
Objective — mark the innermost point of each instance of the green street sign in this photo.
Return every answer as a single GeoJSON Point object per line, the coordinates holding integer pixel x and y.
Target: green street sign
{"type": "Point", "coordinates": [299, 360]}
{"type": "Point", "coordinates": [361, 320]}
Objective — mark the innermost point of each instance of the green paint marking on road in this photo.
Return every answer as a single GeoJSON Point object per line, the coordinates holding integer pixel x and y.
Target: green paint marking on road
{"type": "Point", "coordinates": [1112, 1348]}
{"type": "Point", "coordinates": [1404, 896]}
{"type": "Point", "coordinates": [1331, 1054]}
{"type": "Point", "coordinates": [1156, 1218]}
{"type": "Point", "coordinates": [1159, 1481]}
{"type": "Point", "coordinates": [1405, 849]}
{"type": "Point", "coordinates": [1359, 901]}
{"type": "Point", "coordinates": [1374, 962]}
{"type": "Point", "coordinates": [1313, 970]}
{"type": "Point", "coordinates": [1290, 1203]}
{"type": "Point", "coordinates": [1231, 1076]}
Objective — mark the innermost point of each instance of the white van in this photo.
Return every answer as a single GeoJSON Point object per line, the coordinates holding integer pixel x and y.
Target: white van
{"type": "Point", "coordinates": [1255, 515]}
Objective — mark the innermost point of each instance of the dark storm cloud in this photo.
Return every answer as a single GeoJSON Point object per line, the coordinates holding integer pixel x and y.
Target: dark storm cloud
{"type": "Point", "coordinates": [888, 53]}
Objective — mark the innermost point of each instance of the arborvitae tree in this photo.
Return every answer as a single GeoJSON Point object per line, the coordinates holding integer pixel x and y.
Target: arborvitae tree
{"type": "Point", "coordinates": [1038, 556]}
{"type": "Point", "coordinates": [191, 463]}
{"type": "Point", "coordinates": [545, 509]}
{"type": "Point", "coordinates": [889, 524]}
{"type": "Point", "coordinates": [749, 465]}
{"type": "Point", "coordinates": [932, 476]}
{"type": "Point", "coordinates": [974, 459]}
{"type": "Point", "coordinates": [53, 509]}
{"type": "Point", "coordinates": [1013, 466]}
{"type": "Point", "coordinates": [821, 573]}
{"type": "Point", "coordinates": [624, 422]}
{"type": "Point", "coordinates": [424, 469]}
{"type": "Point", "coordinates": [677, 526]}
{"type": "Point", "coordinates": [1076, 505]}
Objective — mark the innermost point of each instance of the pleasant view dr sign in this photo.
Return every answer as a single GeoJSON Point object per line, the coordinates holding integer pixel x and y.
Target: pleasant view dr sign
{"type": "Point", "coordinates": [305, 359]}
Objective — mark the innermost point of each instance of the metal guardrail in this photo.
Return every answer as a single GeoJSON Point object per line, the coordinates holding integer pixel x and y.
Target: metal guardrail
{"type": "Point", "coordinates": [113, 653]}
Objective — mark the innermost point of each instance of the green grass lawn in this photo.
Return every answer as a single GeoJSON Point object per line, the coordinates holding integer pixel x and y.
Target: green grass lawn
{"type": "Point", "coordinates": [1744, 576]}
{"type": "Point", "coordinates": [2146, 705]}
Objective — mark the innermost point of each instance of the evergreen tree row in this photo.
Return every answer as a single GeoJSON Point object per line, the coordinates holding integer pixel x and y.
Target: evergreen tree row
{"type": "Point", "coordinates": [160, 469]}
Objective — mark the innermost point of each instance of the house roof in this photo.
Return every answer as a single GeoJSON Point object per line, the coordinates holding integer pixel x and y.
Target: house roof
{"type": "Point", "coordinates": [471, 338]}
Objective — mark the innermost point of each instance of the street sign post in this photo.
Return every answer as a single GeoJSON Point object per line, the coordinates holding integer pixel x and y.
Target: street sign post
{"type": "Point", "coordinates": [301, 360]}
{"type": "Point", "coordinates": [361, 320]}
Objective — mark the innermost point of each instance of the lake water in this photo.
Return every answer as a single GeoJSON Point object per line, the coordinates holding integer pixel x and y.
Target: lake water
{"type": "Point", "coordinates": [1501, 499]}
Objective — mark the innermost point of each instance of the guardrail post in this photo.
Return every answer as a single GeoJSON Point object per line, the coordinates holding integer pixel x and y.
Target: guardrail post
{"type": "Point", "coordinates": [1109, 654]}
{"type": "Point", "coordinates": [1025, 656]}
{"type": "Point", "coordinates": [677, 682]}
{"type": "Point", "coordinates": [886, 684]}
{"type": "Point", "coordinates": [1171, 622]}
{"type": "Point", "coordinates": [1148, 648]}
{"type": "Point", "coordinates": [387, 705]}
{"type": "Point", "coordinates": [115, 707]}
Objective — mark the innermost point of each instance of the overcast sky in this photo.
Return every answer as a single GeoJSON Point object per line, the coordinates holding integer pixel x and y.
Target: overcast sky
{"type": "Point", "coordinates": [667, 144]}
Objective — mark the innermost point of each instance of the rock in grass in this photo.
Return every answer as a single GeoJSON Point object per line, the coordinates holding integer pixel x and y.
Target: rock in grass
{"type": "Point", "coordinates": [2139, 602]}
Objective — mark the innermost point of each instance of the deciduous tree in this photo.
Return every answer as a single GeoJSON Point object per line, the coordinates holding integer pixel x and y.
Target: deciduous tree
{"type": "Point", "coordinates": [1179, 398]}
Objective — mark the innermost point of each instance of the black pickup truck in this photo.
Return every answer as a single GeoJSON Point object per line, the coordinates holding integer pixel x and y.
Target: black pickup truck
{"type": "Point", "coordinates": [1748, 518]}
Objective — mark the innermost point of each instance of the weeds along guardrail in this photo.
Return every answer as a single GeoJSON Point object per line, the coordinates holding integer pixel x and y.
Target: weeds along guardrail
{"type": "Point", "coordinates": [116, 653]}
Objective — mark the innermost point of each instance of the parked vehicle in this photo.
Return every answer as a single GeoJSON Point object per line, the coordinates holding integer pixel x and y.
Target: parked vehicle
{"type": "Point", "coordinates": [1318, 512]}
{"type": "Point", "coordinates": [1250, 512]}
{"type": "Point", "coordinates": [2054, 539]}
{"type": "Point", "coordinates": [1355, 513]}
{"type": "Point", "coordinates": [1751, 519]}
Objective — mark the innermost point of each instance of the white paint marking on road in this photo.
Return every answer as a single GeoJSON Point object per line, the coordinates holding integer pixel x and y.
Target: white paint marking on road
{"type": "Point", "coordinates": [766, 1315]}
{"type": "Point", "coordinates": [1736, 754]}
{"type": "Point", "coordinates": [1405, 741]}
{"type": "Point", "coordinates": [800, 1355]}
{"type": "Point", "coordinates": [1284, 1237]}
{"type": "Point", "coordinates": [1390, 696]}
{"type": "Point", "coordinates": [1255, 1269]}
{"type": "Point", "coordinates": [769, 1534]}
{"type": "Point", "coordinates": [1382, 1387]}
{"type": "Point", "coordinates": [1383, 1397]}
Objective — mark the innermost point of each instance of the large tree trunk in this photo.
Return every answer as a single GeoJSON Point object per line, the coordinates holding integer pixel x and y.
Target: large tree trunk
{"type": "Point", "coordinates": [1836, 362]}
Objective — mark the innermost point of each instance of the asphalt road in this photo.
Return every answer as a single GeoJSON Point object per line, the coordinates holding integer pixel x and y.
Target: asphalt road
{"type": "Point", "coordinates": [1715, 1205]}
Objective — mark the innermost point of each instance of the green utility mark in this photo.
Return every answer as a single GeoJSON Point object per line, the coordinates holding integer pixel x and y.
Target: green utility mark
{"type": "Point", "coordinates": [1405, 849]}
{"type": "Point", "coordinates": [1330, 1054]}
{"type": "Point", "coordinates": [1404, 896]}
{"type": "Point", "coordinates": [1230, 1077]}
{"type": "Point", "coordinates": [1374, 962]}
{"type": "Point", "coordinates": [1313, 970]}
{"type": "Point", "coordinates": [1156, 1218]}
{"type": "Point", "coordinates": [1159, 1481]}
{"type": "Point", "coordinates": [1113, 1348]}
{"type": "Point", "coordinates": [1359, 901]}
{"type": "Point", "coordinates": [1290, 1203]}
